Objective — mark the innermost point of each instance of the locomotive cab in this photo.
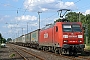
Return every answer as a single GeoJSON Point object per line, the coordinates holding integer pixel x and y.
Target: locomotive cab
{"type": "Point", "coordinates": [72, 34]}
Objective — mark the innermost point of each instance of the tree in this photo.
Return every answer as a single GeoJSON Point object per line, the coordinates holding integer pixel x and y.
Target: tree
{"type": "Point", "coordinates": [2, 40]}
{"type": "Point", "coordinates": [9, 39]}
{"type": "Point", "coordinates": [57, 20]}
{"type": "Point", "coordinates": [88, 26]}
{"type": "Point", "coordinates": [72, 16]}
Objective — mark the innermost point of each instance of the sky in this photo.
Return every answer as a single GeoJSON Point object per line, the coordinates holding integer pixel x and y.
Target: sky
{"type": "Point", "coordinates": [19, 17]}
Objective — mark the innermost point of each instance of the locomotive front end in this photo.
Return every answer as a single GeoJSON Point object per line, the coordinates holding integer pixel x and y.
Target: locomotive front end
{"type": "Point", "coordinates": [73, 37]}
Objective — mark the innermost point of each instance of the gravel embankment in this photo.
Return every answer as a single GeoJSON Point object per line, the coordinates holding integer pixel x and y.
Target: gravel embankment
{"type": "Point", "coordinates": [8, 53]}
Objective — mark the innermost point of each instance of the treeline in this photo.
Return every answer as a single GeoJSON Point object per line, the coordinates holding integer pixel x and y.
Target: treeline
{"type": "Point", "coordinates": [2, 40]}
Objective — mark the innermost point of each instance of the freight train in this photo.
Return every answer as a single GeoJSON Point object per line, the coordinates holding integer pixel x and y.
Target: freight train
{"type": "Point", "coordinates": [62, 37]}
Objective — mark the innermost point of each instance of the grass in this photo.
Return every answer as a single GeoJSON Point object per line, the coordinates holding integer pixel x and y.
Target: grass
{"type": "Point", "coordinates": [12, 55]}
{"type": "Point", "coordinates": [87, 47]}
{"type": "Point", "coordinates": [88, 44]}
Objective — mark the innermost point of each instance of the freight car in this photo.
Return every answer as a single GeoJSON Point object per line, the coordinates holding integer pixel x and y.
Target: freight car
{"type": "Point", "coordinates": [29, 40]}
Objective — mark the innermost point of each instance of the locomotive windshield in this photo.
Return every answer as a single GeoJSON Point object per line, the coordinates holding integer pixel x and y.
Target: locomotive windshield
{"type": "Point", "coordinates": [76, 28]}
{"type": "Point", "coordinates": [71, 28]}
{"type": "Point", "coordinates": [67, 28]}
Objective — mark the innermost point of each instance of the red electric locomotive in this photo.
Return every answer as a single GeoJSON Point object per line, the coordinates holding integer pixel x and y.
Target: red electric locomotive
{"type": "Point", "coordinates": [62, 37]}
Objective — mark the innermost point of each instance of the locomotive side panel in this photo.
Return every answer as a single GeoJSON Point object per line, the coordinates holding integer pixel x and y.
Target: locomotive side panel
{"type": "Point", "coordinates": [58, 33]}
{"type": "Point", "coordinates": [52, 36]}
{"type": "Point", "coordinates": [46, 37]}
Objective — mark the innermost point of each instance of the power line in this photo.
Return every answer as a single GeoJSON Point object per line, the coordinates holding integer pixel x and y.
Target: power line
{"type": "Point", "coordinates": [27, 8]}
{"type": "Point", "coordinates": [77, 1]}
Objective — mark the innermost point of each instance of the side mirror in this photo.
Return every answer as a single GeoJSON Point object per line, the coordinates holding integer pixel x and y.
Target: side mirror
{"type": "Point", "coordinates": [83, 28]}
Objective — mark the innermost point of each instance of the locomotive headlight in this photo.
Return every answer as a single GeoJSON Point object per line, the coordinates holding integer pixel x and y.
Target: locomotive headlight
{"type": "Point", "coordinates": [65, 36]}
{"type": "Point", "coordinates": [79, 36]}
{"type": "Point", "coordinates": [79, 41]}
{"type": "Point", "coordinates": [65, 41]}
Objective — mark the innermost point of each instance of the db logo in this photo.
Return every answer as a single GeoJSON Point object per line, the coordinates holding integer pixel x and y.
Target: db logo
{"type": "Point", "coordinates": [46, 35]}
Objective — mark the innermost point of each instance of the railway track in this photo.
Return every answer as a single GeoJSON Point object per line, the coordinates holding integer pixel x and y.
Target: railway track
{"type": "Point", "coordinates": [20, 54]}
{"type": "Point", "coordinates": [84, 57]}
{"type": "Point", "coordinates": [64, 56]}
{"type": "Point", "coordinates": [76, 57]}
{"type": "Point", "coordinates": [26, 55]}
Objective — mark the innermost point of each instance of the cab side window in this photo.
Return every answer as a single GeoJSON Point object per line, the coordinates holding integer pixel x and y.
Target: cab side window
{"type": "Point", "coordinates": [56, 29]}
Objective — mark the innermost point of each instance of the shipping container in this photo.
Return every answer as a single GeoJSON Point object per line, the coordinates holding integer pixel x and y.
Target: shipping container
{"type": "Point", "coordinates": [23, 39]}
{"type": "Point", "coordinates": [16, 40]}
{"type": "Point", "coordinates": [27, 38]}
{"type": "Point", "coordinates": [35, 36]}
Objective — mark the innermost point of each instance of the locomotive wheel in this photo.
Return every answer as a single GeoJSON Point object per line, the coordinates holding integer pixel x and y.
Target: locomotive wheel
{"type": "Point", "coordinates": [44, 49]}
{"type": "Point", "coordinates": [70, 51]}
{"type": "Point", "coordinates": [58, 51]}
{"type": "Point", "coordinates": [82, 52]}
{"type": "Point", "coordinates": [73, 51]}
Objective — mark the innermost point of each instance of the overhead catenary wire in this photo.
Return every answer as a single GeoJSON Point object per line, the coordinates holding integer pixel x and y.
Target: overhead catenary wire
{"type": "Point", "coordinates": [77, 1]}
{"type": "Point", "coordinates": [27, 8]}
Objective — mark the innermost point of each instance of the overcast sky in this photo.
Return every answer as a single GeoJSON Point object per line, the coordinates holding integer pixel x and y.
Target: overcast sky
{"type": "Point", "coordinates": [15, 15]}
